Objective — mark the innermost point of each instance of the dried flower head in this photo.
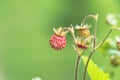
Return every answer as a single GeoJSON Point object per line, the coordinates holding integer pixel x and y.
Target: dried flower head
{"type": "Point", "coordinates": [83, 30]}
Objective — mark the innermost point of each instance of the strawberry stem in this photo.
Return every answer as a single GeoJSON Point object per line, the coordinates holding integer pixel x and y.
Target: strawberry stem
{"type": "Point", "coordinates": [94, 42]}
{"type": "Point", "coordinates": [77, 67]}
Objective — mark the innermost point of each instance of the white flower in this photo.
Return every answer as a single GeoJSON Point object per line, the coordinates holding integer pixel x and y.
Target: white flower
{"type": "Point", "coordinates": [36, 78]}
{"type": "Point", "coordinates": [117, 38]}
{"type": "Point", "coordinates": [111, 19]}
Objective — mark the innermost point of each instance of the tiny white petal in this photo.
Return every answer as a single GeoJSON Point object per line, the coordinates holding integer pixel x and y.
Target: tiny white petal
{"type": "Point", "coordinates": [36, 78]}
{"type": "Point", "coordinates": [117, 39]}
{"type": "Point", "coordinates": [111, 19]}
{"type": "Point", "coordinates": [77, 27]}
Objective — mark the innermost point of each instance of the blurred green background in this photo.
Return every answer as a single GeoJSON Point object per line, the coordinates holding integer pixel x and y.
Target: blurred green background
{"type": "Point", "coordinates": [25, 30]}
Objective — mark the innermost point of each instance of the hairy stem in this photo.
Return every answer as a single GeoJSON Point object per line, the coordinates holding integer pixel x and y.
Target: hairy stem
{"type": "Point", "coordinates": [79, 54]}
{"type": "Point", "coordinates": [94, 45]}
{"type": "Point", "coordinates": [84, 20]}
{"type": "Point", "coordinates": [77, 67]}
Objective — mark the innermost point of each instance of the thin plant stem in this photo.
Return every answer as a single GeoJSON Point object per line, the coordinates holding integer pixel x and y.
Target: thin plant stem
{"type": "Point", "coordinates": [78, 59]}
{"type": "Point", "coordinates": [94, 39]}
{"type": "Point", "coordinates": [85, 71]}
{"type": "Point", "coordinates": [77, 67]}
{"type": "Point", "coordinates": [79, 54]}
{"type": "Point", "coordinates": [104, 39]}
{"type": "Point", "coordinates": [84, 20]}
{"type": "Point", "coordinates": [94, 45]}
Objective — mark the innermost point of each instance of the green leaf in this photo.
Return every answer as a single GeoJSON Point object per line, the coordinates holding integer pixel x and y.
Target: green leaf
{"type": "Point", "coordinates": [94, 71]}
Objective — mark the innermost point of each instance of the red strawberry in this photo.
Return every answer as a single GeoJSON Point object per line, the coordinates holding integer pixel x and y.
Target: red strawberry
{"type": "Point", "coordinates": [58, 42]}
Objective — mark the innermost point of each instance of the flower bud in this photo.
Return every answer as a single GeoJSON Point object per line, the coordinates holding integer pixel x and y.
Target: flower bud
{"type": "Point", "coordinates": [115, 60]}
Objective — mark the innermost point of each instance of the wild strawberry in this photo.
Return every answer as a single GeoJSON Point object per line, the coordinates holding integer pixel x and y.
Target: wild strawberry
{"type": "Point", "coordinates": [58, 40]}
{"type": "Point", "coordinates": [83, 31]}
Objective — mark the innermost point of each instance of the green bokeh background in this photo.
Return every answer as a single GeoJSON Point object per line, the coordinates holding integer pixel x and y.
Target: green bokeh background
{"type": "Point", "coordinates": [25, 30]}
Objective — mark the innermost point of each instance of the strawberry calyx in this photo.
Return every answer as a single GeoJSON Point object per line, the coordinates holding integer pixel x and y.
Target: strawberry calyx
{"type": "Point", "coordinates": [60, 31]}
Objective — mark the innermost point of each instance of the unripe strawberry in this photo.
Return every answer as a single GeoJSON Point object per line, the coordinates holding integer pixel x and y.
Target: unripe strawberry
{"type": "Point", "coordinates": [58, 40]}
{"type": "Point", "coordinates": [83, 30]}
{"type": "Point", "coordinates": [115, 60]}
{"type": "Point", "coordinates": [118, 45]}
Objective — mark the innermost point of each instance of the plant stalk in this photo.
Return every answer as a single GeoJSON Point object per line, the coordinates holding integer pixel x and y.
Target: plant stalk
{"type": "Point", "coordinates": [84, 75]}
{"type": "Point", "coordinates": [77, 67]}
{"type": "Point", "coordinates": [99, 45]}
{"type": "Point", "coordinates": [86, 17]}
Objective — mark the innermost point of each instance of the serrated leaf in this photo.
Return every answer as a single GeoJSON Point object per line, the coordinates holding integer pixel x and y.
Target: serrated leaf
{"type": "Point", "coordinates": [94, 71]}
